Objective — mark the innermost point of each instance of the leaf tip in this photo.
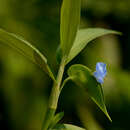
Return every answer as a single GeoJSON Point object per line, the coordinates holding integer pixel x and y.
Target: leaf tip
{"type": "Point", "coordinates": [106, 113]}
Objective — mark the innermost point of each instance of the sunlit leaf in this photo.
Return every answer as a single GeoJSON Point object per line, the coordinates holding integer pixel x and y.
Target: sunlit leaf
{"type": "Point", "coordinates": [84, 78]}
{"type": "Point", "coordinates": [84, 36]}
{"type": "Point", "coordinates": [67, 127]}
{"type": "Point", "coordinates": [70, 18]}
{"type": "Point", "coordinates": [26, 49]}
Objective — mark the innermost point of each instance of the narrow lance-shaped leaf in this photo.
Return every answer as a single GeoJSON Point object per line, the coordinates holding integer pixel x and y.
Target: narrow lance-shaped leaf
{"type": "Point", "coordinates": [70, 18]}
{"type": "Point", "coordinates": [67, 127]}
{"type": "Point", "coordinates": [84, 36]}
{"type": "Point", "coordinates": [26, 49]}
{"type": "Point", "coordinates": [83, 77]}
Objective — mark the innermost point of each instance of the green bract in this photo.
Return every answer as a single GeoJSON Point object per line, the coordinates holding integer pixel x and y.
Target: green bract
{"type": "Point", "coordinates": [56, 119]}
{"type": "Point", "coordinates": [84, 78]}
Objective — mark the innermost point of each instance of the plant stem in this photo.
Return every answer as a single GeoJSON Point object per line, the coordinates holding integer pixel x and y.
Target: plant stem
{"type": "Point", "coordinates": [53, 100]}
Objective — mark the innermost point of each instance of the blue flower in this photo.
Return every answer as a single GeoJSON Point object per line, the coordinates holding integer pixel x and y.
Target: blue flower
{"type": "Point", "coordinates": [100, 72]}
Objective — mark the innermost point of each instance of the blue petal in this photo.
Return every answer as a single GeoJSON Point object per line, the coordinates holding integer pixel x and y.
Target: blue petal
{"type": "Point", "coordinates": [101, 72]}
{"type": "Point", "coordinates": [98, 77]}
{"type": "Point", "coordinates": [100, 80]}
{"type": "Point", "coordinates": [104, 74]}
{"type": "Point", "coordinates": [101, 69]}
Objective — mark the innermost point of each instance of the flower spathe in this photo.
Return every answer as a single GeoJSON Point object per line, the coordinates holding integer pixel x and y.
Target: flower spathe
{"type": "Point", "coordinates": [100, 72]}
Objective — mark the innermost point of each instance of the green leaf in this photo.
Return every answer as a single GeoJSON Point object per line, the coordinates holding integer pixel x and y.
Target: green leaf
{"type": "Point", "coordinates": [56, 119]}
{"type": "Point", "coordinates": [84, 78]}
{"type": "Point", "coordinates": [84, 36]}
{"type": "Point", "coordinates": [67, 127]}
{"type": "Point", "coordinates": [26, 49]}
{"type": "Point", "coordinates": [70, 18]}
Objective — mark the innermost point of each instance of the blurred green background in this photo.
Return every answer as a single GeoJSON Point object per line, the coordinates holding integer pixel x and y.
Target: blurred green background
{"type": "Point", "coordinates": [24, 89]}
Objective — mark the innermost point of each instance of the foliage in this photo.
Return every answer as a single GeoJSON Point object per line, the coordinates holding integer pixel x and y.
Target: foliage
{"type": "Point", "coordinates": [73, 41]}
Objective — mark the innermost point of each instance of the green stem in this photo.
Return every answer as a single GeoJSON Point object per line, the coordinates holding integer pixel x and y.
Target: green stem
{"type": "Point", "coordinates": [53, 100]}
{"type": "Point", "coordinates": [65, 81]}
